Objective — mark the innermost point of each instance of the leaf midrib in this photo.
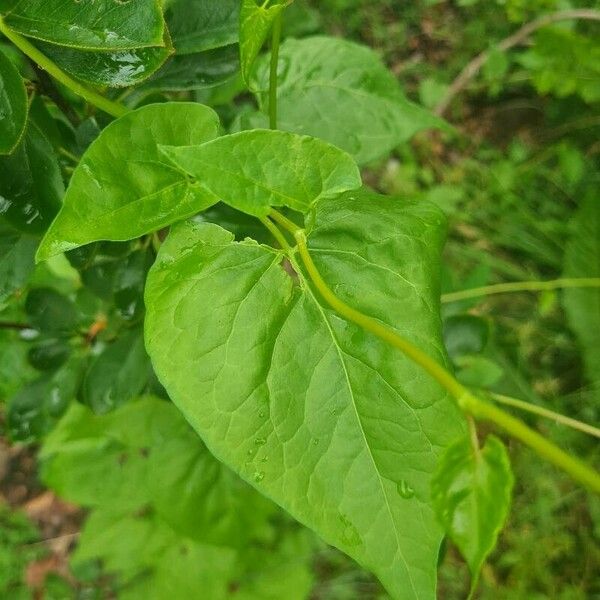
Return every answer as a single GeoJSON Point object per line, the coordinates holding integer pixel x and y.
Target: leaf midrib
{"type": "Point", "coordinates": [340, 353]}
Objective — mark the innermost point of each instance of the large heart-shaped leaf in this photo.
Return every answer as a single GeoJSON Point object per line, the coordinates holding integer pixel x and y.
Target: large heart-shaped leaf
{"type": "Point", "coordinates": [340, 91]}
{"type": "Point", "coordinates": [255, 170]}
{"type": "Point", "coordinates": [334, 425]}
{"type": "Point", "coordinates": [13, 105]}
{"type": "Point", "coordinates": [124, 187]}
{"type": "Point", "coordinates": [91, 25]}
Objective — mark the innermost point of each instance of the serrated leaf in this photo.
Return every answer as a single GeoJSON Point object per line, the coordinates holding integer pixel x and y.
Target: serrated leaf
{"type": "Point", "coordinates": [31, 185]}
{"type": "Point", "coordinates": [582, 305]}
{"type": "Point", "coordinates": [471, 493]}
{"type": "Point", "coordinates": [256, 21]}
{"type": "Point", "coordinates": [13, 105]}
{"type": "Point", "coordinates": [323, 418]}
{"type": "Point", "coordinates": [123, 186]}
{"type": "Point", "coordinates": [199, 25]}
{"type": "Point", "coordinates": [340, 91]}
{"type": "Point", "coordinates": [255, 170]}
{"type": "Point", "coordinates": [91, 25]}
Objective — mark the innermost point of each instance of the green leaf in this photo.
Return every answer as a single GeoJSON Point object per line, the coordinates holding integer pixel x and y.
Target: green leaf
{"type": "Point", "coordinates": [97, 25]}
{"type": "Point", "coordinates": [31, 185]}
{"type": "Point", "coordinates": [191, 72]}
{"type": "Point", "coordinates": [323, 418]}
{"type": "Point", "coordinates": [118, 374]}
{"type": "Point", "coordinates": [50, 311]}
{"type": "Point", "coordinates": [471, 494]}
{"type": "Point", "coordinates": [36, 407]}
{"type": "Point", "coordinates": [167, 518]}
{"type": "Point", "coordinates": [465, 334]}
{"type": "Point", "coordinates": [49, 355]}
{"type": "Point", "coordinates": [340, 91]}
{"type": "Point", "coordinates": [119, 68]}
{"type": "Point", "coordinates": [16, 260]}
{"type": "Point", "coordinates": [255, 170]}
{"type": "Point", "coordinates": [256, 21]}
{"type": "Point", "coordinates": [199, 25]}
{"type": "Point", "coordinates": [582, 305]}
{"type": "Point", "coordinates": [123, 187]}
{"type": "Point", "coordinates": [13, 105]}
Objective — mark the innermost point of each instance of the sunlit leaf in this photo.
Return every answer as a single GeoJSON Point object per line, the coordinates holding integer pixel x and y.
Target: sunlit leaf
{"type": "Point", "coordinates": [333, 424]}
{"type": "Point", "coordinates": [254, 170]}
{"type": "Point", "coordinates": [124, 187]}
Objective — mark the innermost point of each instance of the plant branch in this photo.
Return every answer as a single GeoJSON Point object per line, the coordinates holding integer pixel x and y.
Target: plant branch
{"type": "Point", "coordinates": [467, 401]}
{"type": "Point", "coordinates": [547, 413]}
{"type": "Point", "coordinates": [276, 233]}
{"type": "Point", "coordinates": [516, 39]}
{"type": "Point", "coordinates": [273, 74]}
{"type": "Point", "coordinates": [521, 286]}
{"type": "Point", "coordinates": [12, 325]}
{"type": "Point", "coordinates": [112, 108]}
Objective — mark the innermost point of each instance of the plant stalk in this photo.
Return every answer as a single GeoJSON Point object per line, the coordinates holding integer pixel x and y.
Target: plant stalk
{"type": "Point", "coordinates": [276, 40]}
{"type": "Point", "coordinates": [114, 109]}
{"type": "Point", "coordinates": [467, 401]}
{"type": "Point", "coordinates": [548, 414]}
{"type": "Point", "coordinates": [522, 286]}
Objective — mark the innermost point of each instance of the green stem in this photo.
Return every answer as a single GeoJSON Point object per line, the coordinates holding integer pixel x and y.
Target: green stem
{"type": "Point", "coordinates": [469, 403]}
{"type": "Point", "coordinates": [522, 286]}
{"type": "Point", "coordinates": [276, 233]}
{"type": "Point", "coordinates": [273, 74]}
{"type": "Point", "coordinates": [548, 414]}
{"type": "Point", "coordinates": [577, 469]}
{"type": "Point", "coordinates": [108, 106]}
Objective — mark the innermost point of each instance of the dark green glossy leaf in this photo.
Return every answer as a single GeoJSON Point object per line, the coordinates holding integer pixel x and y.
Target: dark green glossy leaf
{"type": "Point", "coordinates": [582, 259]}
{"type": "Point", "coordinates": [199, 25]}
{"type": "Point", "coordinates": [50, 311]}
{"type": "Point", "coordinates": [35, 409]}
{"type": "Point", "coordinates": [192, 72]}
{"type": "Point", "coordinates": [325, 419]}
{"type": "Point", "coordinates": [124, 187]}
{"type": "Point", "coordinates": [31, 186]}
{"type": "Point", "coordinates": [49, 354]}
{"type": "Point", "coordinates": [119, 68]}
{"type": "Point", "coordinates": [471, 493]}
{"type": "Point", "coordinates": [16, 260]}
{"type": "Point", "coordinates": [13, 105]}
{"type": "Point", "coordinates": [129, 284]}
{"type": "Point", "coordinates": [340, 91]}
{"type": "Point", "coordinates": [255, 170]}
{"type": "Point", "coordinates": [118, 374]}
{"type": "Point", "coordinates": [256, 22]}
{"type": "Point", "coordinates": [97, 24]}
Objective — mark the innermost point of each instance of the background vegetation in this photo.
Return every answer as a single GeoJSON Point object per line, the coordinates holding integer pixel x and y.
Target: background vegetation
{"type": "Point", "coordinates": [519, 182]}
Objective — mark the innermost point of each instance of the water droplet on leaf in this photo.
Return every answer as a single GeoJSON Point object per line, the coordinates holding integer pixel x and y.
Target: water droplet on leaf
{"type": "Point", "coordinates": [405, 490]}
